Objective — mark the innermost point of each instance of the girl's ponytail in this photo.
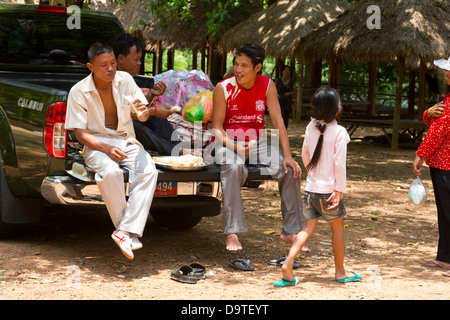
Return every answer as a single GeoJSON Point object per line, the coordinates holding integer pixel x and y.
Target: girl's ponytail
{"type": "Point", "coordinates": [326, 104]}
{"type": "Point", "coordinates": [315, 158]}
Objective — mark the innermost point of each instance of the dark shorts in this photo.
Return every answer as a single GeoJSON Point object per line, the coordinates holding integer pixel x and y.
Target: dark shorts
{"type": "Point", "coordinates": [316, 205]}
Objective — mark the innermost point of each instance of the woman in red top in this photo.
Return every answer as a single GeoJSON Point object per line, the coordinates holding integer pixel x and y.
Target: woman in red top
{"type": "Point", "coordinates": [435, 150]}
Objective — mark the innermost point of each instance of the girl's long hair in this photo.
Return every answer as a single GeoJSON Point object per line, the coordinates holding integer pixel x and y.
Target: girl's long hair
{"type": "Point", "coordinates": [326, 104]}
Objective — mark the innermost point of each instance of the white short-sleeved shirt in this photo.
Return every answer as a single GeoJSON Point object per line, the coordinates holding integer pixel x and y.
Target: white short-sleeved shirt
{"type": "Point", "coordinates": [330, 172]}
{"type": "Point", "coordinates": [85, 109]}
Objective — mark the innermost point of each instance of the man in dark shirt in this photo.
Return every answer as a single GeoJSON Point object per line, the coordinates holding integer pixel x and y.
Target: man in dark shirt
{"type": "Point", "coordinates": [155, 134]}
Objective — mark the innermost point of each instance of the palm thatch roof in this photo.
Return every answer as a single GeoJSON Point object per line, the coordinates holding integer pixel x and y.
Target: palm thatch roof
{"type": "Point", "coordinates": [177, 34]}
{"type": "Point", "coordinates": [278, 29]}
{"type": "Point", "coordinates": [412, 29]}
{"type": "Point", "coordinates": [129, 13]}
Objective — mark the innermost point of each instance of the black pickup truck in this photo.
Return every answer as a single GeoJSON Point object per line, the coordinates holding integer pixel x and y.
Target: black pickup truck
{"type": "Point", "coordinates": [41, 58]}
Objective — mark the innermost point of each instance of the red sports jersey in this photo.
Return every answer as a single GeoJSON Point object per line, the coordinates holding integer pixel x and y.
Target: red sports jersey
{"type": "Point", "coordinates": [245, 108]}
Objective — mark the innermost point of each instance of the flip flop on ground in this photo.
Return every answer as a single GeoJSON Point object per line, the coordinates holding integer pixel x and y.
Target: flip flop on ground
{"type": "Point", "coordinates": [184, 274]}
{"type": "Point", "coordinates": [357, 277]}
{"type": "Point", "coordinates": [241, 264]}
{"type": "Point", "coordinates": [279, 262]}
{"type": "Point", "coordinates": [198, 271]}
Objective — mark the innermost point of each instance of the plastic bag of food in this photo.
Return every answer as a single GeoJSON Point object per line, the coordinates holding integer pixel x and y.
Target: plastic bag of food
{"type": "Point", "coordinates": [181, 85]}
{"type": "Point", "coordinates": [199, 107]}
{"type": "Point", "coordinates": [417, 193]}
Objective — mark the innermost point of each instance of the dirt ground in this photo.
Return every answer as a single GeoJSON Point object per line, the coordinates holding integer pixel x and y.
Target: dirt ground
{"type": "Point", "coordinates": [70, 255]}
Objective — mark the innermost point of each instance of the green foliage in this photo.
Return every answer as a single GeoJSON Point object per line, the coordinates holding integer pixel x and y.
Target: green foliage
{"type": "Point", "coordinates": [215, 19]}
{"type": "Point", "coordinates": [182, 60]}
{"type": "Point", "coordinates": [167, 11]}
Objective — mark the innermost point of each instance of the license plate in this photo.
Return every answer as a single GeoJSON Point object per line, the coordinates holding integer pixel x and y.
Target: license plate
{"type": "Point", "coordinates": [166, 189]}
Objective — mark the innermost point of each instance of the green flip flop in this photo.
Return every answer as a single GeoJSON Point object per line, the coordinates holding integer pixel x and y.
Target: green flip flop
{"type": "Point", "coordinates": [357, 277]}
{"type": "Point", "coordinates": [284, 283]}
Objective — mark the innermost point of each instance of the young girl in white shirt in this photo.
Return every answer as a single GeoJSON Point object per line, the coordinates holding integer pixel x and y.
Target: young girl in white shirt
{"type": "Point", "coordinates": [324, 156]}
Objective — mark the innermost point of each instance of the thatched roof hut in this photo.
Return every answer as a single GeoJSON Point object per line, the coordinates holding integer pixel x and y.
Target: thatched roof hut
{"type": "Point", "coordinates": [411, 32]}
{"type": "Point", "coordinates": [279, 28]}
{"type": "Point", "coordinates": [413, 29]}
{"type": "Point", "coordinates": [178, 34]}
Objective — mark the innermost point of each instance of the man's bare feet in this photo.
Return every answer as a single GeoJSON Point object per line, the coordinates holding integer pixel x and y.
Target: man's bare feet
{"type": "Point", "coordinates": [289, 238]}
{"type": "Point", "coordinates": [232, 242]}
{"type": "Point", "coordinates": [305, 249]}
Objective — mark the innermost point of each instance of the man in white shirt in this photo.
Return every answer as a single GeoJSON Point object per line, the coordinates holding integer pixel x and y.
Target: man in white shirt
{"type": "Point", "coordinates": [100, 116]}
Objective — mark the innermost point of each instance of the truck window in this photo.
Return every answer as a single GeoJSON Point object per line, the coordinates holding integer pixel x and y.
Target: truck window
{"type": "Point", "coordinates": [46, 40]}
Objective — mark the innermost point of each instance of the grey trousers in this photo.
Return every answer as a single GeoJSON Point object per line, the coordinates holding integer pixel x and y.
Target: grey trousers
{"type": "Point", "coordinates": [233, 174]}
{"type": "Point", "coordinates": [131, 215]}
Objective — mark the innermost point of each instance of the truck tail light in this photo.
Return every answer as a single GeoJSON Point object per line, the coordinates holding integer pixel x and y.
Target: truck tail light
{"type": "Point", "coordinates": [53, 9]}
{"type": "Point", "coordinates": [55, 135]}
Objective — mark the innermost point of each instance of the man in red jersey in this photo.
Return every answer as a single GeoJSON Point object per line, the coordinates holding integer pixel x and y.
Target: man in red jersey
{"type": "Point", "coordinates": [238, 123]}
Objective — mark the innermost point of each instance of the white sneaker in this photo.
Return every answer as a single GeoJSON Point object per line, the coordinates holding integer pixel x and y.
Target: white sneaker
{"type": "Point", "coordinates": [135, 244]}
{"type": "Point", "coordinates": [124, 243]}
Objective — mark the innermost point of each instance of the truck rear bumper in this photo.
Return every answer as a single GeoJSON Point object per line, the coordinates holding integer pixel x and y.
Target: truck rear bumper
{"type": "Point", "coordinates": [200, 191]}
{"type": "Point", "coordinates": [66, 190]}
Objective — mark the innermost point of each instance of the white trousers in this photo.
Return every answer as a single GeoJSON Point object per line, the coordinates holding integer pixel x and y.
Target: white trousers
{"type": "Point", "coordinates": [130, 216]}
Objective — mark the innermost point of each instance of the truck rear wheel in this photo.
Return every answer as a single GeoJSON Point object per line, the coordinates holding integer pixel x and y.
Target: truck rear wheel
{"type": "Point", "coordinates": [180, 218]}
{"type": "Point", "coordinates": [6, 229]}
{"type": "Point", "coordinates": [15, 211]}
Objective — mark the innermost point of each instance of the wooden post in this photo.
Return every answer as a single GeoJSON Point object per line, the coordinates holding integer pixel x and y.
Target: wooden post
{"type": "Point", "coordinates": [159, 60]}
{"type": "Point", "coordinates": [398, 103]}
{"type": "Point", "coordinates": [422, 87]}
{"type": "Point", "coordinates": [411, 90]}
{"type": "Point", "coordinates": [194, 59]}
{"type": "Point", "coordinates": [372, 87]}
{"type": "Point", "coordinates": [154, 63]}
{"type": "Point", "coordinates": [337, 73]}
{"type": "Point", "coordinates": [170, 59]}
{"type": "Point", "coordinates": [298, 112]}
{"type": "Point", "coordinates": [317, 74]}
{"type": "Point", "coordinates": [203, 59]}
{"type": "Point", "coordinates": [331, 72]}
{"type": "Point", "coordinates": [209, 58]}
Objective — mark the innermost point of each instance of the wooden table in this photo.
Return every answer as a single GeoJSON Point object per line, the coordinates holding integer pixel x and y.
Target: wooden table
{"type": "Point", "coordinates": [414, 127]}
